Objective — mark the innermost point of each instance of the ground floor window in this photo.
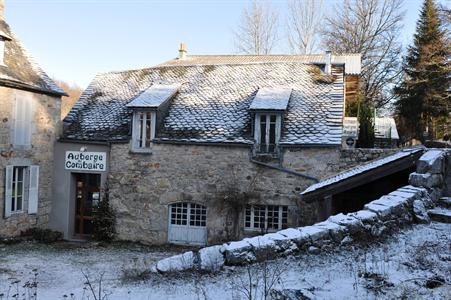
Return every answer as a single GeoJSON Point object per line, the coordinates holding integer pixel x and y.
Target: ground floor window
{"type": "Point", "coordinates": [18, 189]}
{"type": "Point", "coordinates": [188, 213]}
{"type": "Point", "coordinates": [21, 190]}
{"type": "Point", "coordinates": [266, 217]}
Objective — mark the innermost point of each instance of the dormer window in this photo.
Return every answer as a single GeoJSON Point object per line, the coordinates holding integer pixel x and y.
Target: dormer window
{"type": "Point", "coordinates": [146, 108]}
{"type": "Point", "coordinates": [143, 129]}
{"type": "Point", "coordinates": [3, 38]}
{"type": "Point", "coordinates": [269, 105]}
{"type": "Point", "coordinates": [268, 133]}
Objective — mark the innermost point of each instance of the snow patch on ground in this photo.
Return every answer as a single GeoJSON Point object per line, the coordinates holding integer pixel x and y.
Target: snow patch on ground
{"type": "Point", "coordinates": [400, 267]}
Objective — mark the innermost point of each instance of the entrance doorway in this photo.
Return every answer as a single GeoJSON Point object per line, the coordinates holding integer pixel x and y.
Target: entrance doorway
{"type": "Point", "coordinates": [87, 196]}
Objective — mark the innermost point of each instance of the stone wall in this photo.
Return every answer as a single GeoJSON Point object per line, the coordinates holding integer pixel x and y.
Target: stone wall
{"type": "Point", "coordinates": [45, 129]}
{"type": "Point", "coordinates": [143, 185]}
{"type": "Point", "coordinates": [379, 218]}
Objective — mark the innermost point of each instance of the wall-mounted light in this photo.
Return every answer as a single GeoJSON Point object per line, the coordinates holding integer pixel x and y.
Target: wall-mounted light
{"type": "Point", "coordinates": [83, 149]}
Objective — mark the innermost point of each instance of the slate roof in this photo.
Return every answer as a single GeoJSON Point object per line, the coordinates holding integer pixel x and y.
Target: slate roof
{"type": "Point", "coordinates": [351, 61]}
{"type": "Point", "coordinates": [212, 104]}
{"type": "Point", "coordinates": [155, 95]}
{"type": "Point", "coordinates": [271, 99]}
{"type": "Point", "coordinates": [20, 69]}
{"type": "Point", "coordinates": [361, 169]}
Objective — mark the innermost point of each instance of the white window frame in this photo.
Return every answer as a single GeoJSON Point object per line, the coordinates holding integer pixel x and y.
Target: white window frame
{"type": "Point", "coordinates": [251, 209]}
{"type": "Point", "coordinates": [257, 131]}
{"type": "Point", "coordinates": [14, 197]}
{"type": "Point", "coordinates": [2, 51]}
{"type": "Point", "coordinates": [138, 136]}
{"type": "Point", "coordinates": [193, 214]}
{"type": "Point", "coordinates": [29, 193]}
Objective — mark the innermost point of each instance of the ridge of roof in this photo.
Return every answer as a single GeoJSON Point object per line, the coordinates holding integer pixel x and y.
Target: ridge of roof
{"type": "Point", "coordinates": [162, 65]}
{"type": "Point", "coordinates": [351, 61]}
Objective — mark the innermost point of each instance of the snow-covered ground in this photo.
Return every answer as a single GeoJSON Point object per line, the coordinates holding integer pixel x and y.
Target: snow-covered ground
{"type": "Point", "coordinates": [401, 267]}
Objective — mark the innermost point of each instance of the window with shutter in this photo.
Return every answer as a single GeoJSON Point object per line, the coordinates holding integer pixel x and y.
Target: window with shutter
{"type": "Point", "coordinates": [23, 116]}
{"type": "Point", "coordinates": [33, 191]}
{"type": "Point", "coordinates": [267, 132]}
{"type": "Point", "coordinates": [143, 131]}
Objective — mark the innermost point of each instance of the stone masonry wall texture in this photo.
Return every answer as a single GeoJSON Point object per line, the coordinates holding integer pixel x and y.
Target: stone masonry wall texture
{"type": "Point", "coordinates": [45, 126]}
{"type": "Point", "coordinates": [377, 220]}
{"type": "Point", "coordinates": [142, 186]}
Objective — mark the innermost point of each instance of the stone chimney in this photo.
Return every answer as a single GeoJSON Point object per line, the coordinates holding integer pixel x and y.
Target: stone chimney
{"type": "Point", "coordinates": [182, 51]}
{"type": "Point", "coordinates": [2, 8]}
{"type": "Point", "coordinates": [328, 62]}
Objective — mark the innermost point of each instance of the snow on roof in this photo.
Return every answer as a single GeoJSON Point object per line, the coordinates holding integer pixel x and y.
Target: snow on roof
{"type": "Point", "coordinates": [351, 61]}
{"type": "Point", "coordinates": [155, 95]}
{"type": "Point", "coordinates": [361, 169]}
{"type": "Point", "coordinates": [384, 128]}
{"type": "Point", "coordinates": [21, 69]}
{"type": "Point", "coordinates": [271, 98]}
{"type": "Point", "coordinates": [212, 105]}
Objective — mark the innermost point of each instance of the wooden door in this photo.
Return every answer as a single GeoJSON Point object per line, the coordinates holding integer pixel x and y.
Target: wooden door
{"type": "Point", "coordinates": [87, 195]}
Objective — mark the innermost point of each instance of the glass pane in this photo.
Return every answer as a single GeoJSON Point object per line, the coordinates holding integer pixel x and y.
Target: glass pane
{"type": "Point", "coordinates": [87, 226]}
{"type": "Point", "coordinates": [262, 133]}
{"type": "Point", "coordinates": [19, 203]}
{"type": "Point", "coordinates": [140, 129]}
{"type": "Point", "coordinates": [148, 126]}
{"type": "Point", "coordinates": [284, 217]}
{"type": "Point", "coordinates": [272, 137]}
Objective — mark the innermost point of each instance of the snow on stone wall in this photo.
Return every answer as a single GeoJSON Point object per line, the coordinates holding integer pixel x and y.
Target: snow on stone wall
{"type": "Point", "coordinates": [403, 206]}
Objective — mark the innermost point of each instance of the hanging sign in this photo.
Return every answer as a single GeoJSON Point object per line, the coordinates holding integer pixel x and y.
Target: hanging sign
{"type": "Point", "coordinates": [85, 161]}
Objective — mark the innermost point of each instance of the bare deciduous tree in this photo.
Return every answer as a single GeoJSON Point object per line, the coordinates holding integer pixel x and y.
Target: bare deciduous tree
{"type": "Point", "coordinates": [74, 92]}
{"type": "Point", "coordinates": [304, 23]}
{"type": "Point", "coordinates": [372, 28]}
{"type": "Point", "coordinates": [257, 31]}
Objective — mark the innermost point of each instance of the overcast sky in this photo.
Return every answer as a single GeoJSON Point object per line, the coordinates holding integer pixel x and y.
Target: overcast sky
{"type": "Point", "coordinates": [75, 39]}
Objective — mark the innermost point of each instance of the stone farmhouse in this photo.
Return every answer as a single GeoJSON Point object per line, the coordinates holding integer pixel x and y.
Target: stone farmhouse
{"type": "Point", "coordinates": [29, 126]}
{"type": "Point", "coordinates": [198, 150]}
{"type": "Point", "coordinates": [202, 149]}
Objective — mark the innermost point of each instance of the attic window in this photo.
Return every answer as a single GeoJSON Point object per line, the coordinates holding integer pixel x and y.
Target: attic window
{"type": "Point", "coordinates": [3, 38]}
{"type": "Point", "coordinates": [145, 109]}
{"type": "Point", "coordinates": [269, 105]}
{"type": "Point", "coordinates": [143, 130]}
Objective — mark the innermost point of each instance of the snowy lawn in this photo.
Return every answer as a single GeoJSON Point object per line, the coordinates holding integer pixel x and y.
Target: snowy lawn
{"type": "Point", "coordinates": [413, 264]}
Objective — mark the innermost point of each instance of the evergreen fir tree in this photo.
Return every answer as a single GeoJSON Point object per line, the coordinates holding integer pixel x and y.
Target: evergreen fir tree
{"type": "Point", "coordinates": [104, 218]}
{"type": "Point", "coordinates": [424, 93]}
{"type": "Point", "coordinates": [366, 123]}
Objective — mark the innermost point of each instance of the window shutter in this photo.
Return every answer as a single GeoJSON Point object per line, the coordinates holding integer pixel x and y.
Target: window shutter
{"type": "Point", "coordinates": [33, 192]}
{"type": "Point", "coordinates": [23, 121]}
{"type": "Point", "coordinates": [8, 190]}
{"type": "Point", "coordinates": [257, 129]}
{"type": "Point", "coordinates": [135, 131]}
{"type": "Point", "coordinates": [28, 120]}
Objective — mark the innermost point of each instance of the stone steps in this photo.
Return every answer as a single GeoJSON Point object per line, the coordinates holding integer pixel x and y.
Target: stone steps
{"type": "Point", "coordinates": [442, 215]}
